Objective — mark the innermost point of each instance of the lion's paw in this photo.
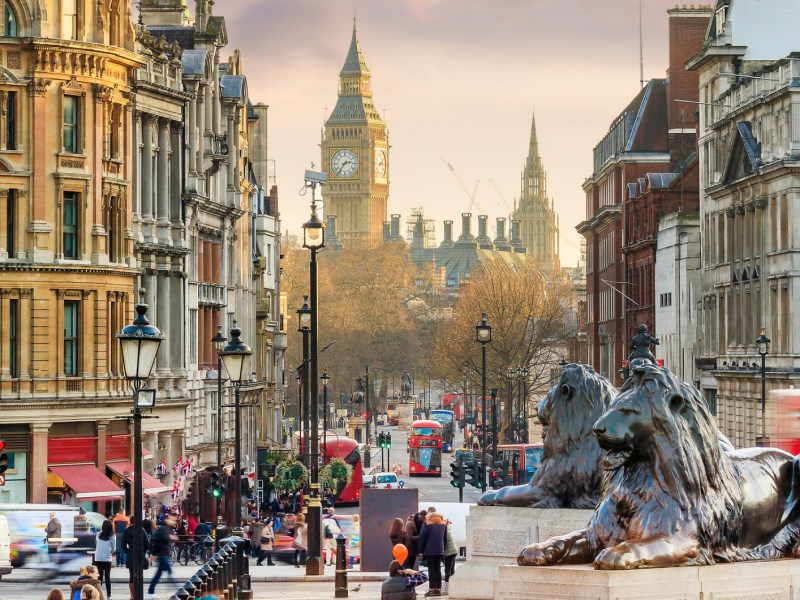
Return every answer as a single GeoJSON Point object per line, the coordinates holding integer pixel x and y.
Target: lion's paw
{"type": "Point", "coordinates": [618, 557]}
{"type": "Point", "coordinates": [545, 553]}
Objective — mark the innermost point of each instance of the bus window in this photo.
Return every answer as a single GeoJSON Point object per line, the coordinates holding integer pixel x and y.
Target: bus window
{"type": "Point", "coordinates": [533, 459]}
{"type": "Point", "coordinates": [425, 431]}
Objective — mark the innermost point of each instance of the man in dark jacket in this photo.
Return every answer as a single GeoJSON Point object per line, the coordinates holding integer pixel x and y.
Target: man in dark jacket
{"type": "Point", "coordinates": [432, 541]}
{"type": "Point", "coordinates": [161, 548]}
{"type": "Point", "coordinates": [401, 583]}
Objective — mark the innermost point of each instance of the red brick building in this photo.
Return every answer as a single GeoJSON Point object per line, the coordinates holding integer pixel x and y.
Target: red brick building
{"type": "Point", "coordinates": [653, 134]}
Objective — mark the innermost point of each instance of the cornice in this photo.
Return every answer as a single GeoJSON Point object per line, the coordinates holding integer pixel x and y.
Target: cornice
{"type": "Point", "coordinates": [51, 268]}
{"type": "Point", "coordinates": [609, 212]}
{"type": "Point", "coordinates": [112, 53]}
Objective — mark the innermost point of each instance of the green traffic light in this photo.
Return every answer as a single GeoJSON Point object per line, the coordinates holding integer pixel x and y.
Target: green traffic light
{"type": "Point", "coordinates": [216, 493]}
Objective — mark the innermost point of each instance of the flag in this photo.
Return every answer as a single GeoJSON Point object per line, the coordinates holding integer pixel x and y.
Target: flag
{"type": "Point", "coordinates": [177, 465]}
{"type": "Point", "coordinates": [161, 469]}
{"type": "Point", "coordinates": [186, 468]}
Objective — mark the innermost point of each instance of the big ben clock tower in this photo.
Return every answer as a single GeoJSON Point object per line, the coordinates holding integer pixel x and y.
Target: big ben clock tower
{"type": "Point", "coordinates": [355, 153]}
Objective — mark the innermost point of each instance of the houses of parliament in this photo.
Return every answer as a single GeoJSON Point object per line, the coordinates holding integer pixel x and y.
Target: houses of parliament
{"type": "Point", "coordinates": [355, 151]}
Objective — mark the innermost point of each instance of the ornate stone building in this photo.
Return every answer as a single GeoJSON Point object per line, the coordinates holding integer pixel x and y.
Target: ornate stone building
{"type": "Point", "coordinates": [535, 212]}
{"type": "Point", "coordinates": [749, 153]}
{"type": "Point", "coordinates": [355, 153]}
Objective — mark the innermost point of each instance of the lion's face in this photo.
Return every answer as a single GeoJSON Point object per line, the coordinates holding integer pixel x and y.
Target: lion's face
{"type": "Point", "coordinates": [543, 410]}
{"type": "Point", "coordinates": [625, 429]}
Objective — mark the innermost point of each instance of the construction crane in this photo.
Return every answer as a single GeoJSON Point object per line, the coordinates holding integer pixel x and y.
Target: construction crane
{"type": "Point", "coordinates": [502, 197]}
{"type": "Point", "coordinates": [470, 194]}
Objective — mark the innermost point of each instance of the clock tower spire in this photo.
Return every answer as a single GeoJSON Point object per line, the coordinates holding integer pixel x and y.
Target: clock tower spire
{"type": "Point", "coordinates": [355, 152]}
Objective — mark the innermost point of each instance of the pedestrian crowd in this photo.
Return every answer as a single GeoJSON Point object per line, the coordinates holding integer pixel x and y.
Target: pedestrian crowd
{"type": "Point", "coordinates": [427, 537]}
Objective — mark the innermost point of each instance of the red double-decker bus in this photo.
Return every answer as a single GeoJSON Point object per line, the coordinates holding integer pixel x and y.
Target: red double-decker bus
{"type": "Point", "coordinates": [425, 448]}
{"type": "Point", "coordinates": [334, 445]}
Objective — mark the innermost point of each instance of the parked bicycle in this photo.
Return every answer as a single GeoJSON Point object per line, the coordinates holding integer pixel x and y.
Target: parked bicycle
{"type": "Point", "coordinates": [200, 551]}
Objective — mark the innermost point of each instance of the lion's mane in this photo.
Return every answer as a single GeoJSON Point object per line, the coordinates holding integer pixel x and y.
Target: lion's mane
{"type": "Point", "coordinates": [681, 469]}
{"type": "Point", "coordinates": [570, 475]}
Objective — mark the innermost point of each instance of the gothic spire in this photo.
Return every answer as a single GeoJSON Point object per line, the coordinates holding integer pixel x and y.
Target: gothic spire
{"type": "Point", "coordinates": [354, 64]}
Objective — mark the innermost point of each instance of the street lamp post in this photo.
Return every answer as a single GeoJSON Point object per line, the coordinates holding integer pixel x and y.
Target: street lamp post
{"type": "Point", "coordinates": [483, 335]}
{"type": "Point", "coordinates": [763, 349]}
{"type": "Point", "coordinates": [314, 240]}
{"type": "Point", "coordinates": [367, 450]}
{"type": "Point", "coordinates": [139, 343]}
{"type": "Point", "coordinates": [219, 343]}
{"type": "Point", "coordinates": [236, 357]}
{"type": "Point", "coordinates": [304, 401]}
{"type": "Point", "coordinates": [510, 431]}
{"type": "Point", "coordinates": [494, 425]}
{"type": "Point", "coordinates": [325, 379]}
{"type": "Point", "coordinates": [522, 373]}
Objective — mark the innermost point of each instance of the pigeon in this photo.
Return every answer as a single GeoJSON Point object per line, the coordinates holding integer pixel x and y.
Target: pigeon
{"type": "Point", "coordinates": [357, 588]}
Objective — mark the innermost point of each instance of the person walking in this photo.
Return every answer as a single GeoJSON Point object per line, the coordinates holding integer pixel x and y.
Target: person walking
{"type": "Point", "coordinates": [331, 526]}
{"type": "Point", "coordinates": [53, 534]}
{"type": "Point", "coordinates": [256, 528]}
{"type": "Point", "coordinates": [299, 540]}
{"type": "Point", "coordinates": [266, 544]}
{"type": "Point", "coordinates": [120, 523]}
{"type": "Point", "coordinates": [401, 583]}
{"type": "Point", "coordinates": [432, 541]}
{"type": "Point", "coordinates": [127, 547]}
{"type": "Point", "coordinates": [105, 545]}
{"type": "Point", "coordinates": [161, 548]}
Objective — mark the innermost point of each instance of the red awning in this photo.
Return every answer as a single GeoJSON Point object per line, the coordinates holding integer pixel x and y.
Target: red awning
{"type": "Point", "coordinates": [88, 483]}
{"type": "Point", "coordinates": [150, 485]}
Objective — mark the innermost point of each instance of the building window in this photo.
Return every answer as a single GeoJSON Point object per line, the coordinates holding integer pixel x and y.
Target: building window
{"type": "Point", "coordinates": [71, 122]}
{"type": "Point", "coordinates": [214, 407]}
{"type": "Point", "coordinates": [71, 337]}
{"type": "Point", "coordinates": [11, 119]}
{"type": "Point", "coordinates": [13, 351]}
{"type": "Point", "coordinates": [115, 132]}
{"type": "Point", "coordinates": [111, 230]}
{"type": "Point", "coordinates": [69, 19]}
{"type": "Point", "coordinates": [11, 208]}
{"type": "Point", "coordinates": [10, 20]}
{"type": "Point", "coordinates": [70, 227]}
{"type": "Point", "coordinates": [711, 400]}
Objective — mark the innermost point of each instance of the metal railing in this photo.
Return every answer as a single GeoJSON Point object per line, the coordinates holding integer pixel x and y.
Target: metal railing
{"type": "Point", "coordinates": [226, 575]}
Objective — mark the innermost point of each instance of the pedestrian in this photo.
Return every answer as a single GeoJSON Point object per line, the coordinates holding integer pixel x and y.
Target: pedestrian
{"type": "Point", "coordinates": [399, 535]}
{"type": "Point", "coordinates": [55, 594]}
{"type": "Point", "coordinates": [161, 548]}
{"type": "Point", "coordinates": [355, 541]}
{"type": "Point", "coordinates": [88, 575]}
{"type": "Point", "coordinates": [127, 547]}
{"type": "Point", "coordinates": [401, 583]}
{"type": "Point", "coordinates": [120, 523]}
{"type": "Point", "coordinates": [450, 554]}
{"type": "Point", "coordinates": [53, 534]}
{"type": "Point", "coordinates": [413, 525]}
{"type": "Point", "coordinates": [432, 541]}
{"type": "Point", "coordinates": [266, 544]}
{"type": "Point", "coordinates": [332, 529]}
{"type": "Point", "coordinates": [256, 528]}
{"type": "Point", "coordinates": [192, 526]}
{"type": "Point", "coordinates": [105, 545]}
{"type": "Point", "coordinates": [299, 540]}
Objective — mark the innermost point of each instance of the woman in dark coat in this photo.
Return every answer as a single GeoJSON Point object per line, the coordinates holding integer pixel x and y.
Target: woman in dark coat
{"type": "Point", "coordinates": [432, 542]}
{"type": "Point", "coordinates": [127, 548]}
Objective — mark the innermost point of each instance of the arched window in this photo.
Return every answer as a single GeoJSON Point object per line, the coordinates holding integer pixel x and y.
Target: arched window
{"type": "Point", "coordinates": [10, 20]}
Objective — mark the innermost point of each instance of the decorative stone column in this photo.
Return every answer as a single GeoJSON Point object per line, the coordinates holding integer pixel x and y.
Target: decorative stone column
{"type": "Point", "coordinates": [163, 199]}
{"type": "Point", "coordinates": [164, 317]}
{"type": "Point", "coordinates": [37, 464]}
{"type": "Point", "coordinates": [147, 177]}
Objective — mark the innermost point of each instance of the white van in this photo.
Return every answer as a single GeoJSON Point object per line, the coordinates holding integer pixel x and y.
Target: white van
{"type": "Point", "coordinates": [5, 548]}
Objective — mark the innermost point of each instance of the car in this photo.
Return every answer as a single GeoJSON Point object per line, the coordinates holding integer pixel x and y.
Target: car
{"type": "Point", "coordinates": [386, 480]}
{"type": "Point", "coordinates": [366, 479]}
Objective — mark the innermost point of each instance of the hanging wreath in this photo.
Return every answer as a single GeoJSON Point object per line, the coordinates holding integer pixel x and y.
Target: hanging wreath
{"type": "Point", "coordinates": [290, 475]}
{"type": "Point", "coordinates": [336, 474]}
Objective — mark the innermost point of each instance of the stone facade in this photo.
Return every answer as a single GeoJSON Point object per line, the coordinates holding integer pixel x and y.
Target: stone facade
{"type": "Point", "coordinates": [749, 151]}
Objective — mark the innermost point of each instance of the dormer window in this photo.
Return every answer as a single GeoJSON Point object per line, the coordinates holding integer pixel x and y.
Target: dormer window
{"type": "Point", "coordinates": [720, 20]}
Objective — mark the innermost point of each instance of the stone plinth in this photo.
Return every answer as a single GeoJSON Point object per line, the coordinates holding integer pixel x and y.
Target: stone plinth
{"type": "Point", "coordinates": [495, 536]}
{"type": "Point", "coordinates": [759, 580]}
{"type": "Point", "coordinates": [357, 429]}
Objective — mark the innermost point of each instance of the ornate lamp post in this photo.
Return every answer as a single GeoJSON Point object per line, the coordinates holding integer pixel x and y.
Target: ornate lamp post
{"type": "Point", "coordinates": [219, 343]}
{"type": "Point", "coordinates": [139, 343]}
{"type": "Point", "coordinates": [325, 379]}
{"type": "Point", "coordinates": [304, 399]}
{"type": "Point", "coordinates": [314, 240]}
{"type": "Point", "coordinates": [483, 335]}
{"type": "Point", "coordinates": [236, 357]}
{"type": "Point", "coordinates": [367, 449]}
{"type": "Point", "coordinates": [522, 373]}
{"type": "Point", "coordinates": [763, 349]}
{"type": "Point", "coordinates": [510, 372]}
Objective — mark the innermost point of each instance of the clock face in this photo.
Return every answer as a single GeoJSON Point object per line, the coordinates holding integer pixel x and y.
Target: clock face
{"type": "Point", "coordinates": [380, 163]}
{"type": "Point", "coordinates": [344, 163]}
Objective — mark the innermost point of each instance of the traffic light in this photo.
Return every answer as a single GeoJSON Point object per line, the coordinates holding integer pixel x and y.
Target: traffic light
{"type": "Point", "coordinates": [497, 475]}
{"type": "Point", "coordinates": [457, 474]}
{"type": "Point", "coordinates": [381, 440]}
{"type": "Point", "coordinates": [3, 462]}
{"type": "Point", "coordinates": [388, 440]}
{"type": "Point", "coordinates": [476, 476]}
{"type": "Point", "coordinates": [215, 487]}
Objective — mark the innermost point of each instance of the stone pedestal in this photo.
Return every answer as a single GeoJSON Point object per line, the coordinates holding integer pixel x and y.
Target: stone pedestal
{"type": "Point", "coordinates": [405, 416]}
{"type": "Point", "coordinates": [357, 429]}
{"type": "Point", "coordinates": [760, 580]}
{"type": "Point", "coordinates": [495, 536]}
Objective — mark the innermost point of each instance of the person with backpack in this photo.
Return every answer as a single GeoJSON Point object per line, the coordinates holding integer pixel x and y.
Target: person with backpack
{"type": "Point", "coordinates": [120, 523]}
{"type": "Point", "coordinates": [331, 531]}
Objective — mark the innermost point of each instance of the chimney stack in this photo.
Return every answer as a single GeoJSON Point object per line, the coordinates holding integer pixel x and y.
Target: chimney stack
{"type": "Point", "coordinates": [395, 230]}
{"type": "Point", "coordinates": [516, 241]}
{"type": "Point", "coordinates": [483, 239]}
{"type": "Point", "coordinates": [501, 241]}
{"type": "Point", "coordinates": [387, 230]}
{"type": "Point", "coordinates": [448, 234]}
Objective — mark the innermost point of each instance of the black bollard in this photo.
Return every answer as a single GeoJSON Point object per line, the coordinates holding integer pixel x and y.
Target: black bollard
{"type": "Point", "coordinates": [181, 594]}
{"type": "Point", "coordinates": [203, 577]}
{"type": "Point", "coordinates": [198, 586]}
{"type": "Point", "coordinates": [189, 587]}
{"type": "Point", "coordinates": [214, 576]}
{"type": "Point", "coordinates": [341, 568]}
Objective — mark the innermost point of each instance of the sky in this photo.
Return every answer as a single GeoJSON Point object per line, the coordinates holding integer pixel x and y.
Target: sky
{"type": "Point", "coordinates": [456, 81]}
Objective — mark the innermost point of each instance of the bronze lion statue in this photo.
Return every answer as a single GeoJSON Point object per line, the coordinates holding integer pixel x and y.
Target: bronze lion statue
{"type": "Point", "coordinates": [570, 475]}
{"type": "Point", "coordinates": [674, 495]}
